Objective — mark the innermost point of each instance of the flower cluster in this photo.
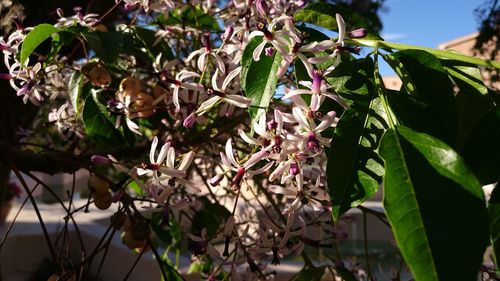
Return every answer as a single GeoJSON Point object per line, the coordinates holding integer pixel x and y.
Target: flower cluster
{"type": "Point", "coordinates": [188, 97]}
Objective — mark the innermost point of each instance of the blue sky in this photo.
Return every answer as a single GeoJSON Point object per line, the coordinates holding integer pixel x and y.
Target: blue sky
{"type": "Point", "coordinates": [427, 23]}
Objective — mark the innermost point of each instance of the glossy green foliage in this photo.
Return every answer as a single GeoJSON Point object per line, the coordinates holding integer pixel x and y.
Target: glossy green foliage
{"type": "Point", "coordinates": [36, 37]}
{"type": "Point", "coordinates": [426, 188]}
{"type": "Point", "coordinates": [323, 14]}
{"type": "Point", "coordinates": [258, 78]}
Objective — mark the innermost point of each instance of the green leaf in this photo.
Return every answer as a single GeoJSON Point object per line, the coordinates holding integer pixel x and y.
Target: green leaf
{"type": "Point", "coordinates": [211, 216]}
{"type": "Point", "coordinates": [473, 101]}
{"type": "Point", "coordinates": [403, 74]}
{"type": "Point", "coordinates": [34, 38]}
{"type": "Point", "coordinates": [435, 206]}
{"type": "Point", "coordinates": [481, 148]}
{"type": "Point", "coordinates": [191, 15]}
{"type": "Point", "coordinates": [353, 79]}
{"type": "Point", "coordinates": [258, 78]}
{"type": "Point", "coordinates": [106, 45]}
{"type": "Point", "coordinates": [310, 273]}
{"type": "Point", "coordinates": [75, 89]}
{"type": "Point", "coordinates": [97, 123]}
{"type": "Point", "coordinates": [494, 217]}
{"type": "Point", "coordinates": [323, 14]}
{"type": "Point", "coordinates": [354, 170]}
{"type": "Point", "coordinates": [433, 86]}
{"type": "Point", "coordinates": [412, 111]}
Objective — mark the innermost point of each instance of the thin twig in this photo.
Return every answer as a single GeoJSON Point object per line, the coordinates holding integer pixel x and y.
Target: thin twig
{"type": "Point", "coordinates": [39, 215]}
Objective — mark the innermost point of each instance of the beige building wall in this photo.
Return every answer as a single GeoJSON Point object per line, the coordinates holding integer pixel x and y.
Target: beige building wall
{"type": "Point", "coordinates": [463, 45]}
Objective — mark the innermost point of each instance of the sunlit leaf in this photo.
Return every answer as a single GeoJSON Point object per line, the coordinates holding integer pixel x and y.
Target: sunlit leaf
{"type": "Point", "coordinates": [481, 148]}
{"type": "Point", "coordinates": [433, 86]}
{"type": "Point", "coordinates": [428, 195]}
{"type": "Point", "coordinates": [258, 78]}
{"type": "Point", "coordinates": [34, 38]}
{"type": "Point", "coordinates": [323, 14]}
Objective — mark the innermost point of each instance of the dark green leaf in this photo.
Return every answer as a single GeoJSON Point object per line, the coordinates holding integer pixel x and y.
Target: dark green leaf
{"type": "Point", "coordinates": [481, 148]}
{"type": "Point", "coordinates": [400, 70]}
{"type": "Point", "coordinates": [34, 38]}
{"type": "Point", "coordinates": [75, 89]}
{"type": "Point", "coordinates": [211, 216]}
{"type": "Point", "coordinates": [97, 123]}
{"type": "Point", "coordinates": [433, 86]}
{"type": "Point", "coordinates": [494, 217]}
{"type": "Point", "coordinates": [354, 170]}
{"type": "Point", "coordinates": [191, 15]}
{"type": "Point", "coordinates": [435, 206]}
{"type": "Point", "coordinates": [258, 78]}
{"type": "Point", "coordinates": [148, 38]}
{"type": "Point", "coordinates": [353, 79]}
{"type": "Point", "coordinates": [310, 273]}
{"type": "Point", "coordinates": [473, 101]}
{"type": "Point", "coordinates": [106, 45]}
{"type": "Point", "coordinates": [412, 111]}
{"type": "Point", "coordinates": [323, 14]}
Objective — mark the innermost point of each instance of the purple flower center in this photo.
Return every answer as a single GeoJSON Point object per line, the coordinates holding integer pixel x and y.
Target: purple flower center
{"type": "Point", "coordinates": [316, 83]}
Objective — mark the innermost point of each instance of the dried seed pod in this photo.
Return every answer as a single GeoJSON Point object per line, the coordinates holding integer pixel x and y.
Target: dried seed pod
{"type": "Point", "coordinates": [158, 91]}
{"type": "Point", "coordinates": [98, 185]}
{"type": "Point", "coordinates": [99, 76]}
{"type": "Point", "coordinates": [132, 242]}
{"type": "Point", "coordinates": [101, 28]}
{"type": "Point", "coordinates": [142, 105]}
{"type": "Point", "coordinates": [118, 220]}
{"type": "Point", "coordinates": [103, 200]}
{"type": "Point", "coordinates": [130, 86]}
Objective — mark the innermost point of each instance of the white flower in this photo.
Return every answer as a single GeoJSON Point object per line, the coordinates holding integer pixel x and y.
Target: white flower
{"type": "Point", "coordinates": [157, 167]}
{"type": "Point", "coordinates": [205, 53]}
{"type": "Point", "coordinates": [318, 89]}
{"type": "Point", "coordinates": [223, 94]}
{"type": "Point", "coordinates": [301, 196]}
{"type": "Point", "coordinates": [242, 171]}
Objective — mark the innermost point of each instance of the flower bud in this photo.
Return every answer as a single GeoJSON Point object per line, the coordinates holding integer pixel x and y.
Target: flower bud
{"type": "Point", "coordinates": [262, 8]}
{"type": "Point", "coordinates": [216, 180]}
{"type": "Point", "coordinates": [189, 121]}
{"type": "Point", "coordinates": [357, 33]}
{"type": "Point", "coordinates": [100, 160]}
{"type": "Point", "coordinates": [228, 34]}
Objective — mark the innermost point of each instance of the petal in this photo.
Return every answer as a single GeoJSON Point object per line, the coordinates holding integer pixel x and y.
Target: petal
{"type": "Point", "coordinates": [258, 50]}
{"type": "Point", "coordinates": [238, 101]}
{"type": "Point", "coordinates": [229, 153]}
{"type": "Point", "coordinates": [202, 61]}
{"type": "Point", "coordinates": [193, 54]}
{"type": "Point", "coordinates": [292, 93]}
{"type": "Point", "coordinates": [171, 157]}
{"type": "Point", "coordinates": [341, 25]}
{"type": "Point", "coordinates": [255, 158]}
{"type": "Point", "coordinates": [186, 160]}
{"type": "Point", "coordinates": [281, 190]}
{"type": "Point", "coordinates": [207, 105]}
{"type": "Point", "coordinates": [163, 153]}
{"type": "Point", "coordinates": [278, 117]}
{"type": "Point", "coordinates": [230, 77]}
{"type": "Point", "coordinates": [172, 172]}
{"type": "Point", "coordinates": [153, 150]}
{"type": "Point", "coordinates": [248, 139]}
{"type": "Point", "coordinates": [300, 117]}
{"type": "Point", "coordinates": [176, 98]}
